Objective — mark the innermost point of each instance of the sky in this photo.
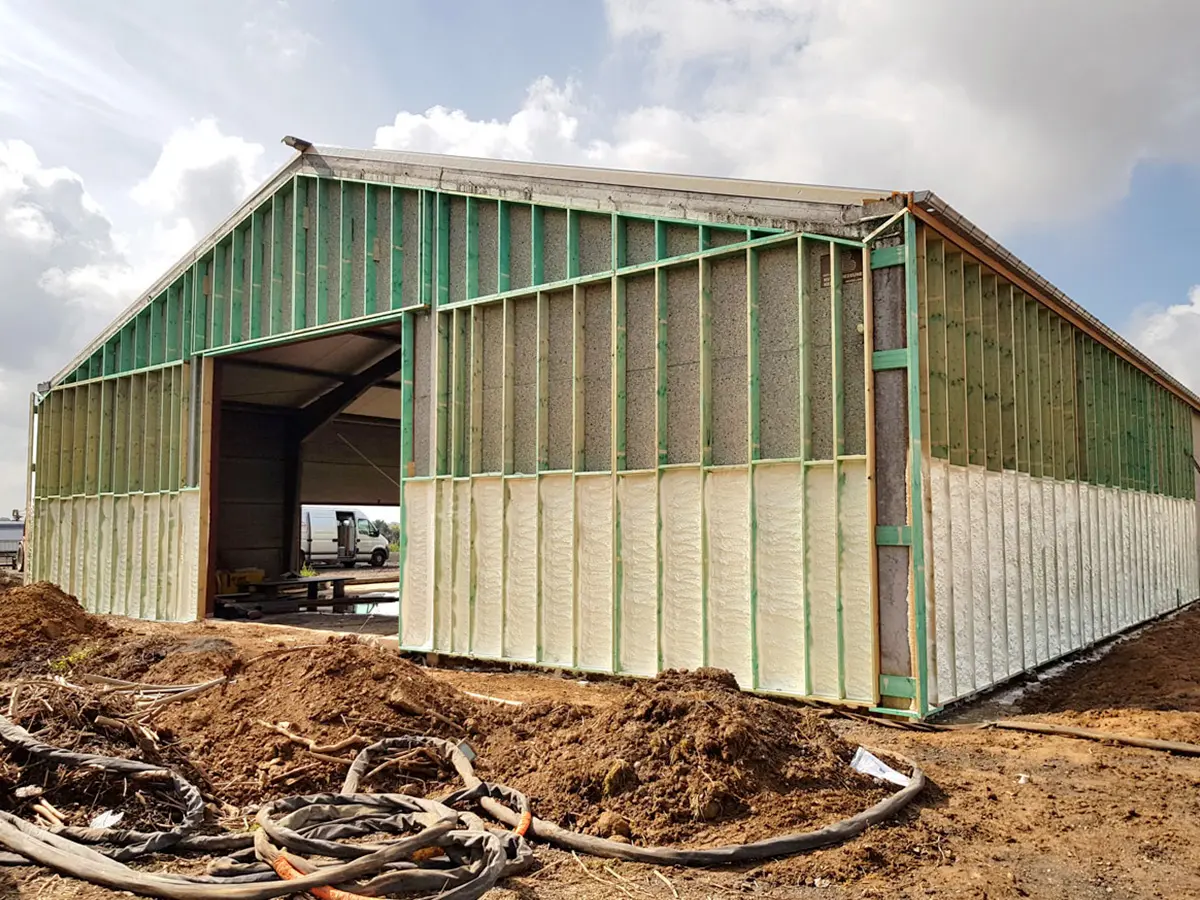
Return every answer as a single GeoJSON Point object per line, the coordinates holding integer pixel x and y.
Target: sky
{"type": "Point", "coordinates": [1070, 131]}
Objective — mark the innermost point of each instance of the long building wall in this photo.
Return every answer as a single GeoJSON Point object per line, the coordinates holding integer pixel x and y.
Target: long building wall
{"type": "Point", "coordinates": [665, 468]}
{"type": "Point", "coordinates": [1061, 490]}
{"type": "Point", "coordinates": [116, 501]}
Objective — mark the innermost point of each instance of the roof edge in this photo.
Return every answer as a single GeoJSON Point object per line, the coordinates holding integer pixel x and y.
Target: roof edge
{"type": "Point", "coordinates": [927, 203]}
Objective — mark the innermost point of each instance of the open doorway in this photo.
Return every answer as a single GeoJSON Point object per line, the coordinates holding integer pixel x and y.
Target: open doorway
{"type": "Point", "coordinates": [305, 445]}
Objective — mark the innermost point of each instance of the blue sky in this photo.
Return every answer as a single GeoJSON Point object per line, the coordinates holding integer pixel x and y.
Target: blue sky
{"type": "Point", "coordinates": [128, 130]}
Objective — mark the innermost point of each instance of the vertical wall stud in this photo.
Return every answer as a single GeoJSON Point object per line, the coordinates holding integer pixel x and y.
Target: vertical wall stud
{"type": "Point", "coordinates": [753, 446]}
{"type": "Point", "coordinates": [475, 345]}
{"type": "Point", "coordinates": [508, 366]}
{"type": "Point", "coordinates": [617, 454]}
{"type": "Point", "coordinates": [237, 282]}
{"type": "Point", "coordinates": [802, 300]}
{"type": "Point", "coordinates": [443, 249]}
{"type": "Point", "coordinates": [839, 447]}
{"type": "Point", "coordinates": [660, 363]}
{"type": "Point", "coordinates": [572, 243]}
{"type": "Point", "coordinates": [471, 263]}
{"type": "Point", "coordinates": [543, 381]}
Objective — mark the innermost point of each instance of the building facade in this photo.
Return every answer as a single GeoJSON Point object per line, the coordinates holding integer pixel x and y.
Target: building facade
{"type": "Point", "coordinates": [836, 441]}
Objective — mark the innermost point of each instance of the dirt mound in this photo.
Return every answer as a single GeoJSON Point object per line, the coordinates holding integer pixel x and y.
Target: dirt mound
{"type": "Point", "coordinates": [39, 621]}
{"type": "Point", "coordinates": [9, 579]}
{"type": "Point", "coordinates": [323, 694]}
{"type": "Point", "coordinates": [684, 756]}
{"type": "Point", "coordinates": [164, 660]}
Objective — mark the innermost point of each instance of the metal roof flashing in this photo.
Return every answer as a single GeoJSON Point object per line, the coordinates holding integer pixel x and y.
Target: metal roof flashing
{"type": "Point", "coordinates": [927, 204]}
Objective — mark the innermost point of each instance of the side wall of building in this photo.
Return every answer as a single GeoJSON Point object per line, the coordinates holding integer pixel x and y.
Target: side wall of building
{"type": "Point", "coordinates": [1061, 494]}
{"type": "Point", "coordinates": [664, 465]}
{"type": "Point", "coordinates": [116, 502]}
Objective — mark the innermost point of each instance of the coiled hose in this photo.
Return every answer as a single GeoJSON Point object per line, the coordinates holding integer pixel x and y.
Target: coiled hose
{"type": "Point", "coordinates": [453, 852]}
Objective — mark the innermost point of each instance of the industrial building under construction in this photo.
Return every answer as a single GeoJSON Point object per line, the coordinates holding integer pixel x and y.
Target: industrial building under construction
{"type": "Point", "coordinates": [839, 442]}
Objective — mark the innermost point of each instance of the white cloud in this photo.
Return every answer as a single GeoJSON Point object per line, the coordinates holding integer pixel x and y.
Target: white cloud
{"type": "Point", "coordinates": [1015, 125]}
{"type": "Point", "coordinates": [200, 177]}
{"type": "Point", "coordinates": [1170, 336]}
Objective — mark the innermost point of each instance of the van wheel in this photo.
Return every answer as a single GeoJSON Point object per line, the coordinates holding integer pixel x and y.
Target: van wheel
{"type": "Point", "coordinates": [378, 558]}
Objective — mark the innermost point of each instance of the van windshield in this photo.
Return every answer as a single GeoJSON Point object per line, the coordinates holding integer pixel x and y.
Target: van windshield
{"type": "Point", "coordinates": [366, 528]}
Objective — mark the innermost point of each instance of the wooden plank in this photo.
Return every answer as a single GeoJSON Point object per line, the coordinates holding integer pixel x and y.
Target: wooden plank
{"type": "Point", "coordinates": [121, 430]}
{"type": "Point", "coordinates": [299, 262]}
{"type": "Point", "coordinates": [137, 431]}
{"type": "Point", "coordinates": [1036, 390]}
{"type": "Point", "coordinates": [475, 345]}
{"type": "Point", "coordinates": [257, 241]}
{"type": "Point", "coordinates": [79, 452]}
{"type": "Point", "coordinates": [278, 223]}
{"type": "Point", "coordinates": [91, 474]}
{"type": "Point", "coordinates": [508, 366]}
{"type": "Point", "coordinates": [471, 263]}
{"type": "Point", "coordinates": [992, 384]}
{"type": "Point", "coordinates": [152, 426]}
{"type": "Point", "coordinates": [1007, 412]}
{"type": "Point", "coordinates": [543, 381]}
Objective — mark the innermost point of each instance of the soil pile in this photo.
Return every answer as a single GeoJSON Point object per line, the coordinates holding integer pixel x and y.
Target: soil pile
{"type": "Point", "coordinates": [684, 756]}
{"type": "Point", "coordinates": [40, 621]}
{"type": "Point", "coordinates": [322, 694]}
{"type": "Point", "coordinates": [9, 579]}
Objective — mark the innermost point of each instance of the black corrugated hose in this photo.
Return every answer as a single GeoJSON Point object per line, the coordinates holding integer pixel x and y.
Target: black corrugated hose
{"type": "Point", "coordinates": [472, 857]}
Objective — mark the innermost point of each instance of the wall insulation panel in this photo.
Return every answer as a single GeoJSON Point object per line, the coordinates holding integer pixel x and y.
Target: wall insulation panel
{"type": "Point", "coordinates": [1055, 520]}
{"type": "Point", "coordinates": [655, 532]}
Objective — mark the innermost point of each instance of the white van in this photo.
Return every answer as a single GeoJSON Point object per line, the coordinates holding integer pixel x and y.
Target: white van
{"type": "Point", "coordinates": [332, 535]}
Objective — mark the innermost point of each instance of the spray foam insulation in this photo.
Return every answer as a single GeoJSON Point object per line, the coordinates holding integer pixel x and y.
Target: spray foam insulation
{"type": "Point", "coordinates": [525, 385]}
{"type": "Point", "coordinates": [641, 377]}
{"type": "Point", "coordinates": [423, 378]}
{"type": "Point", "coordinates": [682, 593]}
{"type": "Point", "coordinates": [779, 558]}
{"type": "Point", "coordinates": [854, 397]}
{"type": "Point", "coordinates": [818, 350]}
{"type": "Point", "coordinates": [637, 499]}
{"type": "Point", "coordinates": [727, 517]}
{"type": "Point", "coordinates": [595, 243]}
{"type": "Point", "coordinates": [560, 377]}
{"type": "Point", "coordinates": [520, 254]}
{"type": "Point", "coordinates": [594, 524]}
{"type": "Point", "coordinates": [487, 550]}
{"type": "Point", "coordinates": [521, 569]}
{"type": "Point", "coordinates": [359, 252]}
{"type": "Point", "coordinates": [554, 235]}
{"type": "Point", "coordinates": [410, 241]}
{"type": "Point", "coordinates": [597, 377]}
{"type": "Point", "coordinates": [487, 218]}
{"type": "Point", "coordinates": [460, 611]}
{"type": "Point", "coordinates": [856, 543]}
{"type": "Point", "coordinates": [247, 296]}
{"type": "Point", "coordinates": [312, 240]}
{"type": "Point", "coordinates": [558, 569]}
{"type": "Point", "coordinates": [821, 544]}
{"type": "Point", "coordinates": [891, 447]}
{"type": "Point", "coordinates": [381, 254]}
{"type": "Point", "coordinates": [728, 352]}
{"type": "Point", "coordinates": [458, 248]}
{"type": "Point", "coordinates": [417, 577]}
{"type": "Point", "coordinates": [639, 241]}
{"type": "Point", "coordinates": [682, 239]}
{"type": "Point", "coordinates": [444, 558]}
{"type": "Point", "coordinates": [683, 364]}
{"type": "Point", "coordinates": [492, 455]}
{"type": "Point", "coordinates": [778, 354]}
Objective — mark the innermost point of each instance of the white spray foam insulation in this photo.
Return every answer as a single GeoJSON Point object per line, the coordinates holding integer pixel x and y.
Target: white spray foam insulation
{"type": "Point", "coordinates": [1050, 545]}
{"type": "Point", "coordinates": [779, 501]}
{"type": "Point", "coordinates": [105, 550]}
{"type": "Point", "coordinates": [443, 561]}
{"type": "Point", "coordinates": [821, 541]}
{"type": "Point", "coordinates": [980, 569]}
{"type": "Point", "coordinates": [558, 569]}
{"type": "Point", "coordinates": [487, 531]}
{"type": "Point", "coordinates": [91, 531]}
{"type": "Point", "coordinates": [1010, 546]}
{"type": "Point", "coordinates": [679, 509]}
{"type": "Point", "coordinates": [942, 566]}
{"type": "Point", "coordinates": [858, 622]}
{"type": "Point", "coordinates": [521, 575]}
{"type": "Point", "coordinates": [1087, 596]}
{"type": "Point", "coordinates": [727, 518]}
{"type": "Point", "coordinates": [416, 599]}
{"type": "Point", "coordinates": [189, 558]}
{"type": "Point", "coordinates": [1071, 536]}
{"type": "Point", "coordinates": [1040, 599]}
{"type": "Point", "coordinates": [461, 577]}
{"type": "Point", "coordinates": [79, 547]}
{"type": "Point", "coordinates": [137, 561]}
{"type": "Point", "coordinates": [637, 499]}
{"type": "Point", "coordinates": [964, 607]}
{"type": "Point", "coordinates": [932, 613]}
{"type": "Point", "coordinates": [593, 523]}
{"type": "Point", "coordinates": [150, 514]}
{"type": "Point", "coordinates": [996, 574]}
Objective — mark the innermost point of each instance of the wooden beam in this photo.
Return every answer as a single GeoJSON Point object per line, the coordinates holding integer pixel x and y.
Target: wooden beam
{"type": "Point", "coordinates": [325, 407]}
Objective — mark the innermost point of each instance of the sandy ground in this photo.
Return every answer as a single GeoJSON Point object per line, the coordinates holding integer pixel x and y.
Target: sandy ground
{"type": "Point", "coordinates": [1006, 815]}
